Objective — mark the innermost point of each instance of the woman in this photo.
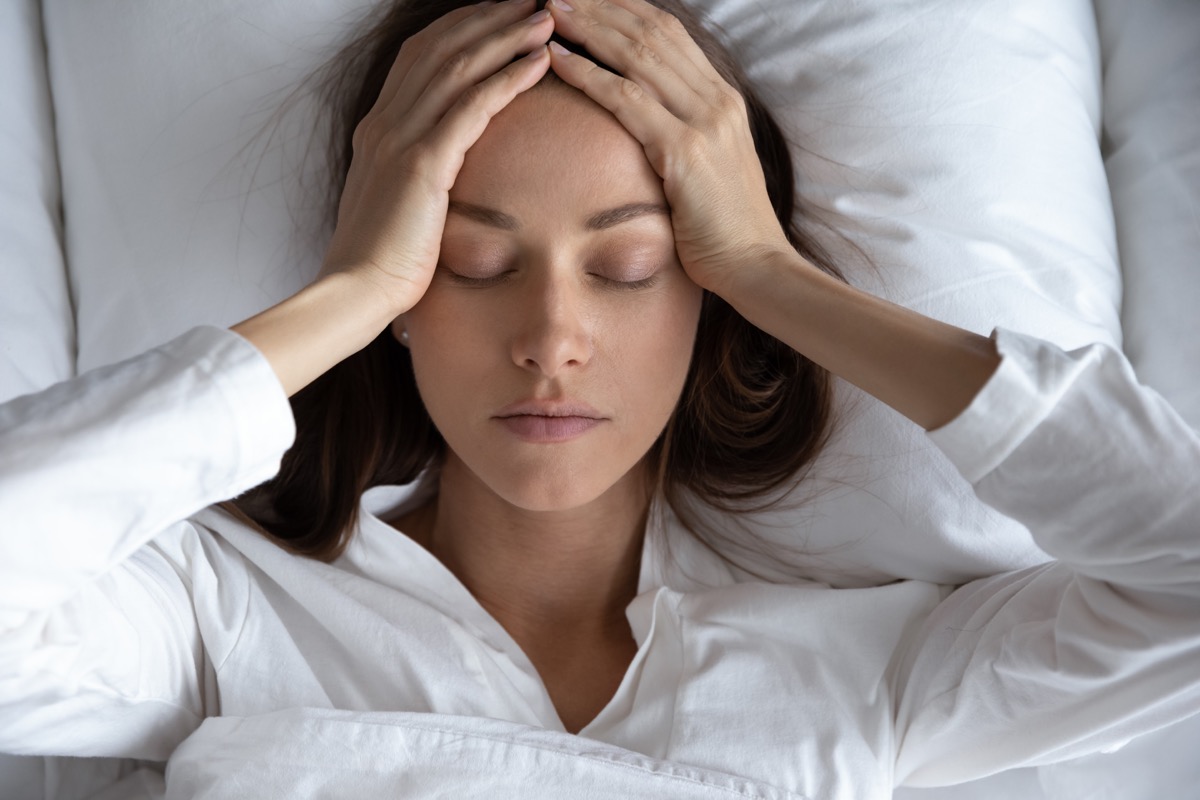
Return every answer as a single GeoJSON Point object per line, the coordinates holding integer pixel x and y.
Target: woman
{"type": "Point", "coordinates": [546, 256]}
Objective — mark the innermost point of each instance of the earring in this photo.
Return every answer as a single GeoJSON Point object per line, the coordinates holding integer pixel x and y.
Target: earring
{"type": "Point", "coordinates": [404, 338]}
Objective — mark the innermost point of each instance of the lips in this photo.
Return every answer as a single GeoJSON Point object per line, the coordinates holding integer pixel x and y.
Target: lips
{"type": "Point", "coordinates": [550, 408]}
{"type": "Point", "coordinates": [547, 422]}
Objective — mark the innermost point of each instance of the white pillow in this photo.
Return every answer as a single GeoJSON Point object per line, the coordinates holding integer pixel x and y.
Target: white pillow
{"type": "Point", "coordinates": [37, 333]}
{"type": "Point", "coordinates": [1152, 144]}
{"type": "Point", "coordinates": [963, 157]}
{"type": "Point", "coordinates": [177, 214]}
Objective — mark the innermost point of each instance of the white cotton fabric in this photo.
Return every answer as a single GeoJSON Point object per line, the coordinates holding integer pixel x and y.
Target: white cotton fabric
{"type": "Point", "coordinates": [330, 753]}
{"type": "Point", "coordinates": [125, 629]}
{"type": "Point", "coordinates": [1152, 154]}
{"type": "Point", "coordinates": [37, 329]}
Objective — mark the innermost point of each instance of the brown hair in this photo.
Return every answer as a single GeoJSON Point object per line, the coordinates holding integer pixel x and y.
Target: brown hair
{"type": "Point", "coordinates": [753, 414]}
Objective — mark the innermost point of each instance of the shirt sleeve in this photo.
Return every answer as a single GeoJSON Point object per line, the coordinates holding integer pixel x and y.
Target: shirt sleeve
{"type": "Point", "coordinates": [100, 649]}
{"type": "Point", "coordinates": [1103, 644]}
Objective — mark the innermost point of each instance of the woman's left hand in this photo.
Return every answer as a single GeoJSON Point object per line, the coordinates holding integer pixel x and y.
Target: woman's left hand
{"type": "Point", "coordinates": [695, 131]}
{"type": "Point", "coordinates": [691, 122]}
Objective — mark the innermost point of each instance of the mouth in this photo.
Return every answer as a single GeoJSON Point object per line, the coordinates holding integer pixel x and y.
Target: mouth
{"type": "Point", "coordinates": [549, 408]}
{"type": "Point", "coordinates": [547, 422]}
{"type": "Point", "coordinates": [545, 429]}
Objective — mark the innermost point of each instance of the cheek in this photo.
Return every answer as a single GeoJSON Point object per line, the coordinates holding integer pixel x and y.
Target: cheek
{"type": "Point", "coordinates": [655, 351]}
{"type": "Point", "coordinates": [444, 355]}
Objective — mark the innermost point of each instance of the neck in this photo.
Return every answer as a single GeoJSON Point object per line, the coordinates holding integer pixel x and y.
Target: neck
{"type": "Point", "coordinates": [567, 573]}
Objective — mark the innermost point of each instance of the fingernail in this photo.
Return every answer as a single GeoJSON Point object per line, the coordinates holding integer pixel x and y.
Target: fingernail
{"type": "Point", "coordinates": [560, 5]}
{"type": "Point", "coordinates": [536, 54]}
{"type": "Point", "coordinates": [538, 17]}
{"type": "Point", "coordinates": [559, 49]}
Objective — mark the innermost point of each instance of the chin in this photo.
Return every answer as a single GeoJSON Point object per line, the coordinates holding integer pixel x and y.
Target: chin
{"type": "Point", "coordinates": [548, 480]}
{"type": "Point", "coordinates": [560, 490]}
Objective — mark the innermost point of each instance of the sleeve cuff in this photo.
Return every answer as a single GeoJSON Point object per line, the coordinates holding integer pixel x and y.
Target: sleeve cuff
{"type": "Point", "coordinates": [1033, 375]}
{"type": "Point", "coordinates": [265, 427]}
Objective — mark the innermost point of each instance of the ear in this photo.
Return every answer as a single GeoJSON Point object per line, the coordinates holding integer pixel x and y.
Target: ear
{"type": "Point", "coordinates": [400, 330]}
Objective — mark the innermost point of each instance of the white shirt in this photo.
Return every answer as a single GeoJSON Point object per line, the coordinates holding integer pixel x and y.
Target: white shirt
{"type": "Point", "coordinates": [130, 612]}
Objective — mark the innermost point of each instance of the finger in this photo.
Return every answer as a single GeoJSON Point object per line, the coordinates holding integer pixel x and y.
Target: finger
{"type": "Point", "coordinates": [466, 120]}
{"type": "Point", "coordinates": [645, 64]}
{"type": "Point", "coordinates": [640, 41]}
{"type": "Point", "coordinates": [639, 113]}
{"type": "Point", "coordinates": [422, 54]}
{"type": "Point", "coordinates": [476, 63]}
{"type": "Point", "coordinates": [412, 47]}
{"type": "Point", "coordinates": [683, 40]}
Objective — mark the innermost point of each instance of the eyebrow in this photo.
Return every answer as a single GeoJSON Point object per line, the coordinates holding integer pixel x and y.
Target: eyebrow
{"type": "Point", "coordinates": [596, 222]}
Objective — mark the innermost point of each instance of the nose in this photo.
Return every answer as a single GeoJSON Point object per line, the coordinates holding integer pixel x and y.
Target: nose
{"type": "Point", "coordinates": [553, 334]}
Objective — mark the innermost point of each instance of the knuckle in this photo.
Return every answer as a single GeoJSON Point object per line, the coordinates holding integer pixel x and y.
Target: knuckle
{"type": "Point", "coordinates": [650, 32]}
{"type": "Point", "coordinates": [631, 91]}
{"type": "Point", "coordinates": [591, 71]}
{"type": "Point", "coordinates": [439, 45]}
{"type": "Point", "coordinates": [670, 24]}
{"type": "Point", "coordinates": [730, 103]}
{"type": "Point", "coordinates": [457, 66]}
{"type": "Point", "coordinates": [414, 42]}
{"type": "Point", "coordinates": [358, 137]}
{"type": "Point", "coordinates": [365, 133]}
{"type": "Point", "coordinates": [589, 23]}
{"type": "Point", "coordinates": [646, 54]}
{"type": "Point", "coordinates": [473, 95]}
{"type": "Point", "coordinates": [692, 145]}
{"type": "Point", "coordinates": [490, 11]}
{"type": "Point", "coordinates": [659, 28]}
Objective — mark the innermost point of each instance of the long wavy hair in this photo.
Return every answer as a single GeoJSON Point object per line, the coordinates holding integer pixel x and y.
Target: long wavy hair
{"type": "Point", "coordinates": [752, 416]}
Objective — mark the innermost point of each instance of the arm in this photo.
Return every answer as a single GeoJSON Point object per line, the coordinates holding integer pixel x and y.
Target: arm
{"type": "Point", "coordinates": [927, 370]}
{"type": "Point", "coordinates": [1068, 658]}
{"type": "Point", "coordinates": [100, 646]}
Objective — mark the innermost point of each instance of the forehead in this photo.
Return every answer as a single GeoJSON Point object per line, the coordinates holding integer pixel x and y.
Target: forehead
{"type": "Point", "coordinates": [554, 151]}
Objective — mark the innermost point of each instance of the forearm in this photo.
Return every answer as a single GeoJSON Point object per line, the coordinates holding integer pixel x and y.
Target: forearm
{"type": "Point", "coordinates": [94, 467]}
{"type": "Point", "coordinates": [1100, 646]}
{"type": "Point", "coordinates": [314, 329]}
{"type": "Point", "coordinates": [927, 370]}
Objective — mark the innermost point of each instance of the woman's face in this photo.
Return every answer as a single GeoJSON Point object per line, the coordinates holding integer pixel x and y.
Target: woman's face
{"type": "Point", "coordinates": [553, 343]}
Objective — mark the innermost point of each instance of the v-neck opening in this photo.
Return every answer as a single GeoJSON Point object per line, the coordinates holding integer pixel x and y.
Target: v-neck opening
{"type": "Point", "coordinates": [464, 607]}
{"type": "Point", "coordinates": [632, 673]}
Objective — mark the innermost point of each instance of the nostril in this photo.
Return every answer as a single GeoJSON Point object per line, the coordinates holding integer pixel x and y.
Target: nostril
{"type": "Point", "coordinates": [550, 353]}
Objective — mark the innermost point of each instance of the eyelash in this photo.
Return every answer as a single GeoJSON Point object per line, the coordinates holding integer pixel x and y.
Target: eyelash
{"type": "Point", "coordinates": [495, 280]}
{"type": "Point", "coordinates": [477, 283]}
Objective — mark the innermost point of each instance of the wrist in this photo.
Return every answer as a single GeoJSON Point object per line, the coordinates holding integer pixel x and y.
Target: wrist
{"type": "Point", "coordinates": [379, 291]}
{"type": "Point", "coordinates": [370, 303]}
{"type": "Point", "coordinates": [330, 319]}
{"type": "Point", "coordinates": [759, 281]}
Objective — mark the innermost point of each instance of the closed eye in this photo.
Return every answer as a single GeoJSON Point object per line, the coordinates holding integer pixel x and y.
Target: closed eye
{"type": "Point", "coordinates": [643, 283]}
{"type": "Point", "coordinates": [479, 283]}
{"type": "Point", "coordinates": [505, 275]}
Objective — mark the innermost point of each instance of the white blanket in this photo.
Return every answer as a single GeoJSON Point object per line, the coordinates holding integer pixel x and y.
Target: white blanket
{"type": "Point", "coordinates": [318, 753]}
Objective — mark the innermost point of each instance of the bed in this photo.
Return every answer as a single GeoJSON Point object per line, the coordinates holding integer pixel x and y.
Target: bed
{"type": "Point", "coordinates": [1019, 163]}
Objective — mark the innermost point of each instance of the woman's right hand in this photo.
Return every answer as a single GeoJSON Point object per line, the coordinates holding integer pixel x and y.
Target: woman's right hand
{"type": "Point", "coordinates": [445, 85]}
